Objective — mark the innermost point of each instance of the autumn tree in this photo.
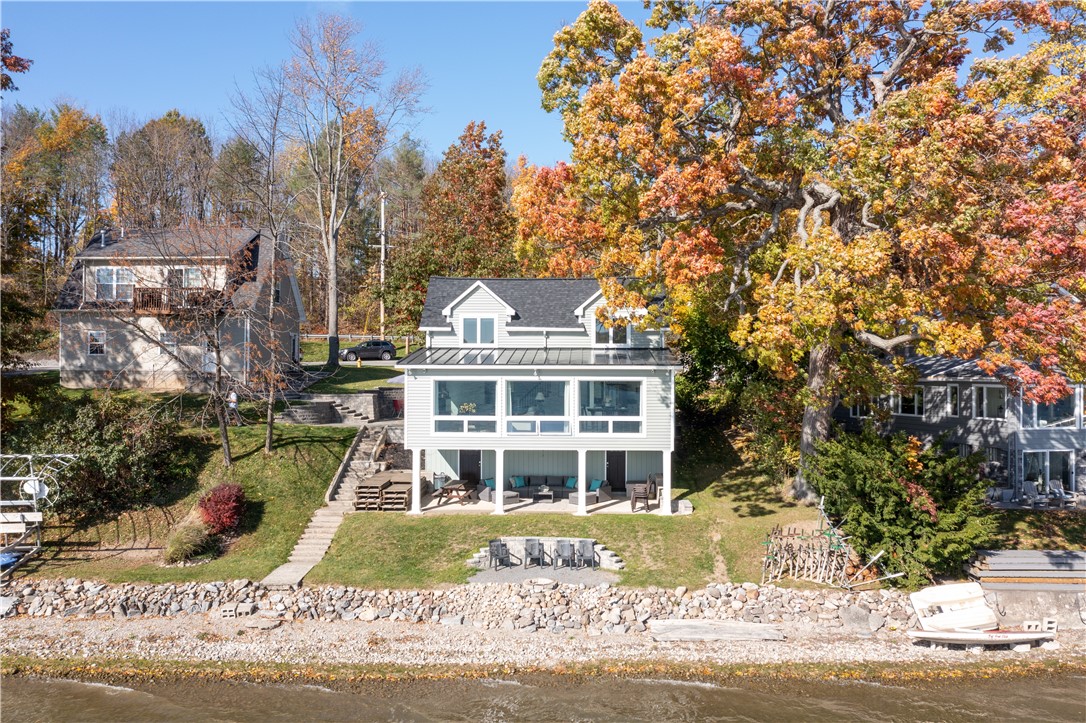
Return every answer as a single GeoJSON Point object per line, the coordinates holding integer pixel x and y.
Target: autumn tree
{"type": "Point", "coordinates": [11, 63]}
{"type": "Point", "coordinates": [341, 113]}
{"type": "Point", "coordinates": [161, 173]}
{"type": "Point", "coordinates": [835, 177]}
{"type": "Point", "coordinates": [468, 223]}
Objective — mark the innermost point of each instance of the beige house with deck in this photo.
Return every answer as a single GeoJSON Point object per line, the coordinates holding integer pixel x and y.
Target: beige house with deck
{"type": "Point", "coordinates": [155, 310]}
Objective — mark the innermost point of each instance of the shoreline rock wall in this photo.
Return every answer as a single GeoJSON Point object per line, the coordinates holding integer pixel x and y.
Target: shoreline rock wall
{"type": "Point", "coordinates": [531, 606]}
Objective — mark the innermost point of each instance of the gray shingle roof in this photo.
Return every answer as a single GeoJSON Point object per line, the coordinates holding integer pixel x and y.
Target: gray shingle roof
{"type": "Point", "coordinates": [178, 246]}
{"type": "Point", "coordinates": [946, 367]}
{"type": "Point", "coordinates": [168, 243]}
{"type": "Point", "coordinates": [539, 303]}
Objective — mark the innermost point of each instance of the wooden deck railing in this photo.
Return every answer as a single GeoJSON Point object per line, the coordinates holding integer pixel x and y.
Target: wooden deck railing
{"type": "Point", "coordinates": [170, 300]}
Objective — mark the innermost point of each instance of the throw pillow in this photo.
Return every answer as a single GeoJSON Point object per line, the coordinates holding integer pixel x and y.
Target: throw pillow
{"type": "Point", "coordinates": [489, 482]}
{"type": "Point", "coordinates": [518, 482]}
{"type": "Point", "coordinates": [596, 484]}
{"type": "Point", "coordinates": [571, 483]}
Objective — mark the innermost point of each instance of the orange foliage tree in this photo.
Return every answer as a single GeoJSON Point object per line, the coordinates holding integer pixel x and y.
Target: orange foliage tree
{"type": "Point", "coordinates": [834, 180]}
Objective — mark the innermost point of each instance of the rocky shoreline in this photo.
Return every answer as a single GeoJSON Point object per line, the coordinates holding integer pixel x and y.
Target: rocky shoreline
{"type": "Point", "coordinates": [534, 626]}
{"type": "Point", "coordinates": [535, 605]}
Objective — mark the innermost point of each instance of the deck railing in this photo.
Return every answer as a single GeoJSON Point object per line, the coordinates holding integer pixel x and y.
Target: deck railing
{"type": "Point", "coordinates": [170, 300]}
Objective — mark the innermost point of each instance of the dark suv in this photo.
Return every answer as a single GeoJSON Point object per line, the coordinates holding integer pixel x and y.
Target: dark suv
{"type": "Point", "coordinates": [369, 350]}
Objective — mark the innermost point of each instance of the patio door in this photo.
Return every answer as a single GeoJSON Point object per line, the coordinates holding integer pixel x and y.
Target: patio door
{"type": "Point", "coordinates": [616, 470]}
{"type": "Point", "coordinates": [471, 465]}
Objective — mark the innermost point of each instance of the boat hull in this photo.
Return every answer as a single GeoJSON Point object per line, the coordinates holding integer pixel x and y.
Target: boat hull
{"type": "Point", "coordinates": [1000, 637]}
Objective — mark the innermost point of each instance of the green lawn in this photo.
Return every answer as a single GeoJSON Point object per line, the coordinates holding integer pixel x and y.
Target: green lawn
{"type": "Point", "coordinates": [316, 352]}
{"type": "Point", "coordinates": [282, 489]}
{"type": "Point", "coordinates": [734, 509]}
{"type": "Point", "coordinates": [350, 379]}
{"type": "Point", "coordinates": [1041, 530]}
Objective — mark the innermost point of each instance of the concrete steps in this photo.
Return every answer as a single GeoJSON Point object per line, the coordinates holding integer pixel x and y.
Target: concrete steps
{"type": "Point", "coordinates": [323, 525]}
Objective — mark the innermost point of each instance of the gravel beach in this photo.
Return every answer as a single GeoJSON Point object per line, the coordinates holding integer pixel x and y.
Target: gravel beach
{"type": "Point", "coordinates": [316, 642]}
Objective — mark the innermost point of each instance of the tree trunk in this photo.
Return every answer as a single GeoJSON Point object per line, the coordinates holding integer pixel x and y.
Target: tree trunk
{"type": "Point", "coordinates": [333, 306]}
{"type": "Point", "coordinates": [224, 432]}
{"type": "Point", "coordinates": [821, 399]}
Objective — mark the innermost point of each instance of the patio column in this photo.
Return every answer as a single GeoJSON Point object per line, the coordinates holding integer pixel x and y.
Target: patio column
{"type": "Point", "coordinates": [582, 506]}
{"type": "Point", "coordinates": [665, 497]}
{"type": "Point", "coordinates": [416, 483]}
{"type": "Point", "coordinates": [499, 482]}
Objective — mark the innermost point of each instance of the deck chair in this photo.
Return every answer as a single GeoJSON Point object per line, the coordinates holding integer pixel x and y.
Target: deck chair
{"type": "Point", "coordinates": [564, 552]}
{"type": "Point", "coordinates": [1030, 495]}
{"type": "Point", "coordinates": [586, 553]}
{"type": "Point", "coordinates": [533, 551]}
{"type": "Point", "coordinates": [499, 554]}
{"type": "Point", "coordinates": [1056, 490]}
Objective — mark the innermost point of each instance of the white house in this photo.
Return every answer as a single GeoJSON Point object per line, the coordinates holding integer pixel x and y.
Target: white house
{"type": "Point", "coordinates": [519, 379]}
{"type": "Point", "coordinates": [138, 308]}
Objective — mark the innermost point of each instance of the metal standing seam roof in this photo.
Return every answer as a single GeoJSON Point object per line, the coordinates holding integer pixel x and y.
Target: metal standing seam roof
{"type": "Point", "coordinates": [575, 356]}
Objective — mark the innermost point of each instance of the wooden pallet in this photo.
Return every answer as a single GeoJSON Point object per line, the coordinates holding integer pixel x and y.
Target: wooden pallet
{"type": "Point", "coordinates": [368, 493]}
{"type": "Point", "coordinates": [396, 497]}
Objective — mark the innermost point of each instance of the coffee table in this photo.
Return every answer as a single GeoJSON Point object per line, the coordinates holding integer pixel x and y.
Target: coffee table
{"type": "Point", "coordinates": [543, 493]}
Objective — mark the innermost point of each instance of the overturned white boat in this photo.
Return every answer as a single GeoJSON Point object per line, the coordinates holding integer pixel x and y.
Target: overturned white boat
{"type": "Point", "coordinates": [959, 614]}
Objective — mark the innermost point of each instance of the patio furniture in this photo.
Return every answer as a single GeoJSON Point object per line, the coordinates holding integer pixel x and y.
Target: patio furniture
{"type": "Point", "coordinates": [564, 553]}
{"type": "Point", "coordinates": [542, 494]}
{"type": "Point", "coordinates": [460, 491]}
{"type": "Point", "coordinates": [638, 491]}
{"type": "Point", "coordinates": [1031, 497]}
{"type": "Point", "coordinates": [1058, 493]}
{"type": "Point", "coordinates": [586, 553]}
{"type": "Point", "coordinates": [533, 551]}
{"type": "Point", "coordinates": [499, 554]}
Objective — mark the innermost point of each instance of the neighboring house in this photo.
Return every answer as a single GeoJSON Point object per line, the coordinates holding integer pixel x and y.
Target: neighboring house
{"type": "Point", "coordinates": [1021, 440]}
{"type": "Point", "coordinates": [519, 378]}
{"type": "Point", "coordinates": [135, 301]}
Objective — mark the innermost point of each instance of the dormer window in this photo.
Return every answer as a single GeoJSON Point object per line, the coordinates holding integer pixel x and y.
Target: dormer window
{"type": "Point", "coordinates": [477, 330]}
{"type": "Point", "coordinates": [616, 335]}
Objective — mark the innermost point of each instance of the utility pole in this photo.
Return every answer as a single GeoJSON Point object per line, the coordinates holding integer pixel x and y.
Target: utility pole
{"type": "Point", "coordinates": [383, 255]}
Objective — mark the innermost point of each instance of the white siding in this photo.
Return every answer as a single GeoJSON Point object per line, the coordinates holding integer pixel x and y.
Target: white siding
{"type": "Point", "coordinates": [656, 398]}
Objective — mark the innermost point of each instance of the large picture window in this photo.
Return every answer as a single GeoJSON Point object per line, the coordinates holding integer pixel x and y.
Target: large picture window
{"type": "Point", "coordinates": [608, 401]}
{"type": "Point", "coordinates": [990, 402]}
{"type": "Point", "coordinates": [465, 406]}
{"type": "Point", "coordinates": [114, 284]}
{"type": "Point", "coordinates": [543, 403]}
{"type": "Point", "coordinates": [1056, 414]}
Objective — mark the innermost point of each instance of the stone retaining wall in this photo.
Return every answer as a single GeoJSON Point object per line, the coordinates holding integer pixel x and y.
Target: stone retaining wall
{"type": "Point", "coordinates": [531, 606]}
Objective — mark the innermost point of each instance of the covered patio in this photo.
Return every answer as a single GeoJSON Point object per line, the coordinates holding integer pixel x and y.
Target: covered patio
{"type": "Point", "coordinates": [578, 482]}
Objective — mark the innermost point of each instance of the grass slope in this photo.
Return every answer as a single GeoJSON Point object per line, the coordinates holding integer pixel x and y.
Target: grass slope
{"type": "Point", "coordinates": [734, 508]}
{"type": "Point", "coordinates": [283, 490]}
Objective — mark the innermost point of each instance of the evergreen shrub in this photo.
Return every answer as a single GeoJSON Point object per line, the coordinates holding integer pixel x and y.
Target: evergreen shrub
{"type": "Point", "coordinates": [924, 507]}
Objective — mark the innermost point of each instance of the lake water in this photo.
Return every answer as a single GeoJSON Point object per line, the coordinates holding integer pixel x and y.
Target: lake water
{"type": "Point", "coordinates": [548, 699]}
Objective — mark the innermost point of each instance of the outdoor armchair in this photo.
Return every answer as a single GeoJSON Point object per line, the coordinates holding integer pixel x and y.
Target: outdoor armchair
{"type": "Point", "coordinates": [533, 552]}
{"type": "Point", "coordinates": [586, 553]}
{"type": "Point", "coordinates": [499, 554]}
{"type": "Point", "coordinates": [564, 553]}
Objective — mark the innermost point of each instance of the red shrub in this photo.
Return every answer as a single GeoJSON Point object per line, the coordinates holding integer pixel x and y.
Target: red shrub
{"type": "Point", "coordinates": [221, 508]}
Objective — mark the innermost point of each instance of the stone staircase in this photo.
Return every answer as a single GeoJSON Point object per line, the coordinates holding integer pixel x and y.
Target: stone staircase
{"type": "Point", "coordinates": [324, 524]}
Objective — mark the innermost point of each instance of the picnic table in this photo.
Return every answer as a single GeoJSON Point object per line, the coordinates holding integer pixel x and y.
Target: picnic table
{"type": "Point", "coordinates": [456, 490]}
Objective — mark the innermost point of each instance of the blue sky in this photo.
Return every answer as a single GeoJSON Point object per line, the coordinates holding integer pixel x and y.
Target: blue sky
{"type": "Point", "coordinates": [140, 59]}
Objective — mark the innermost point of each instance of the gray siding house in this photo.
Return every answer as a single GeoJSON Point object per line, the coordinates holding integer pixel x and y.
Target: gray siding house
{"type": "Point", "coordinates": [518, 377]}
{"type": "Point", "coordinates": [134, 310]}
{"type": "Point", "coordinates": [975, 412]}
